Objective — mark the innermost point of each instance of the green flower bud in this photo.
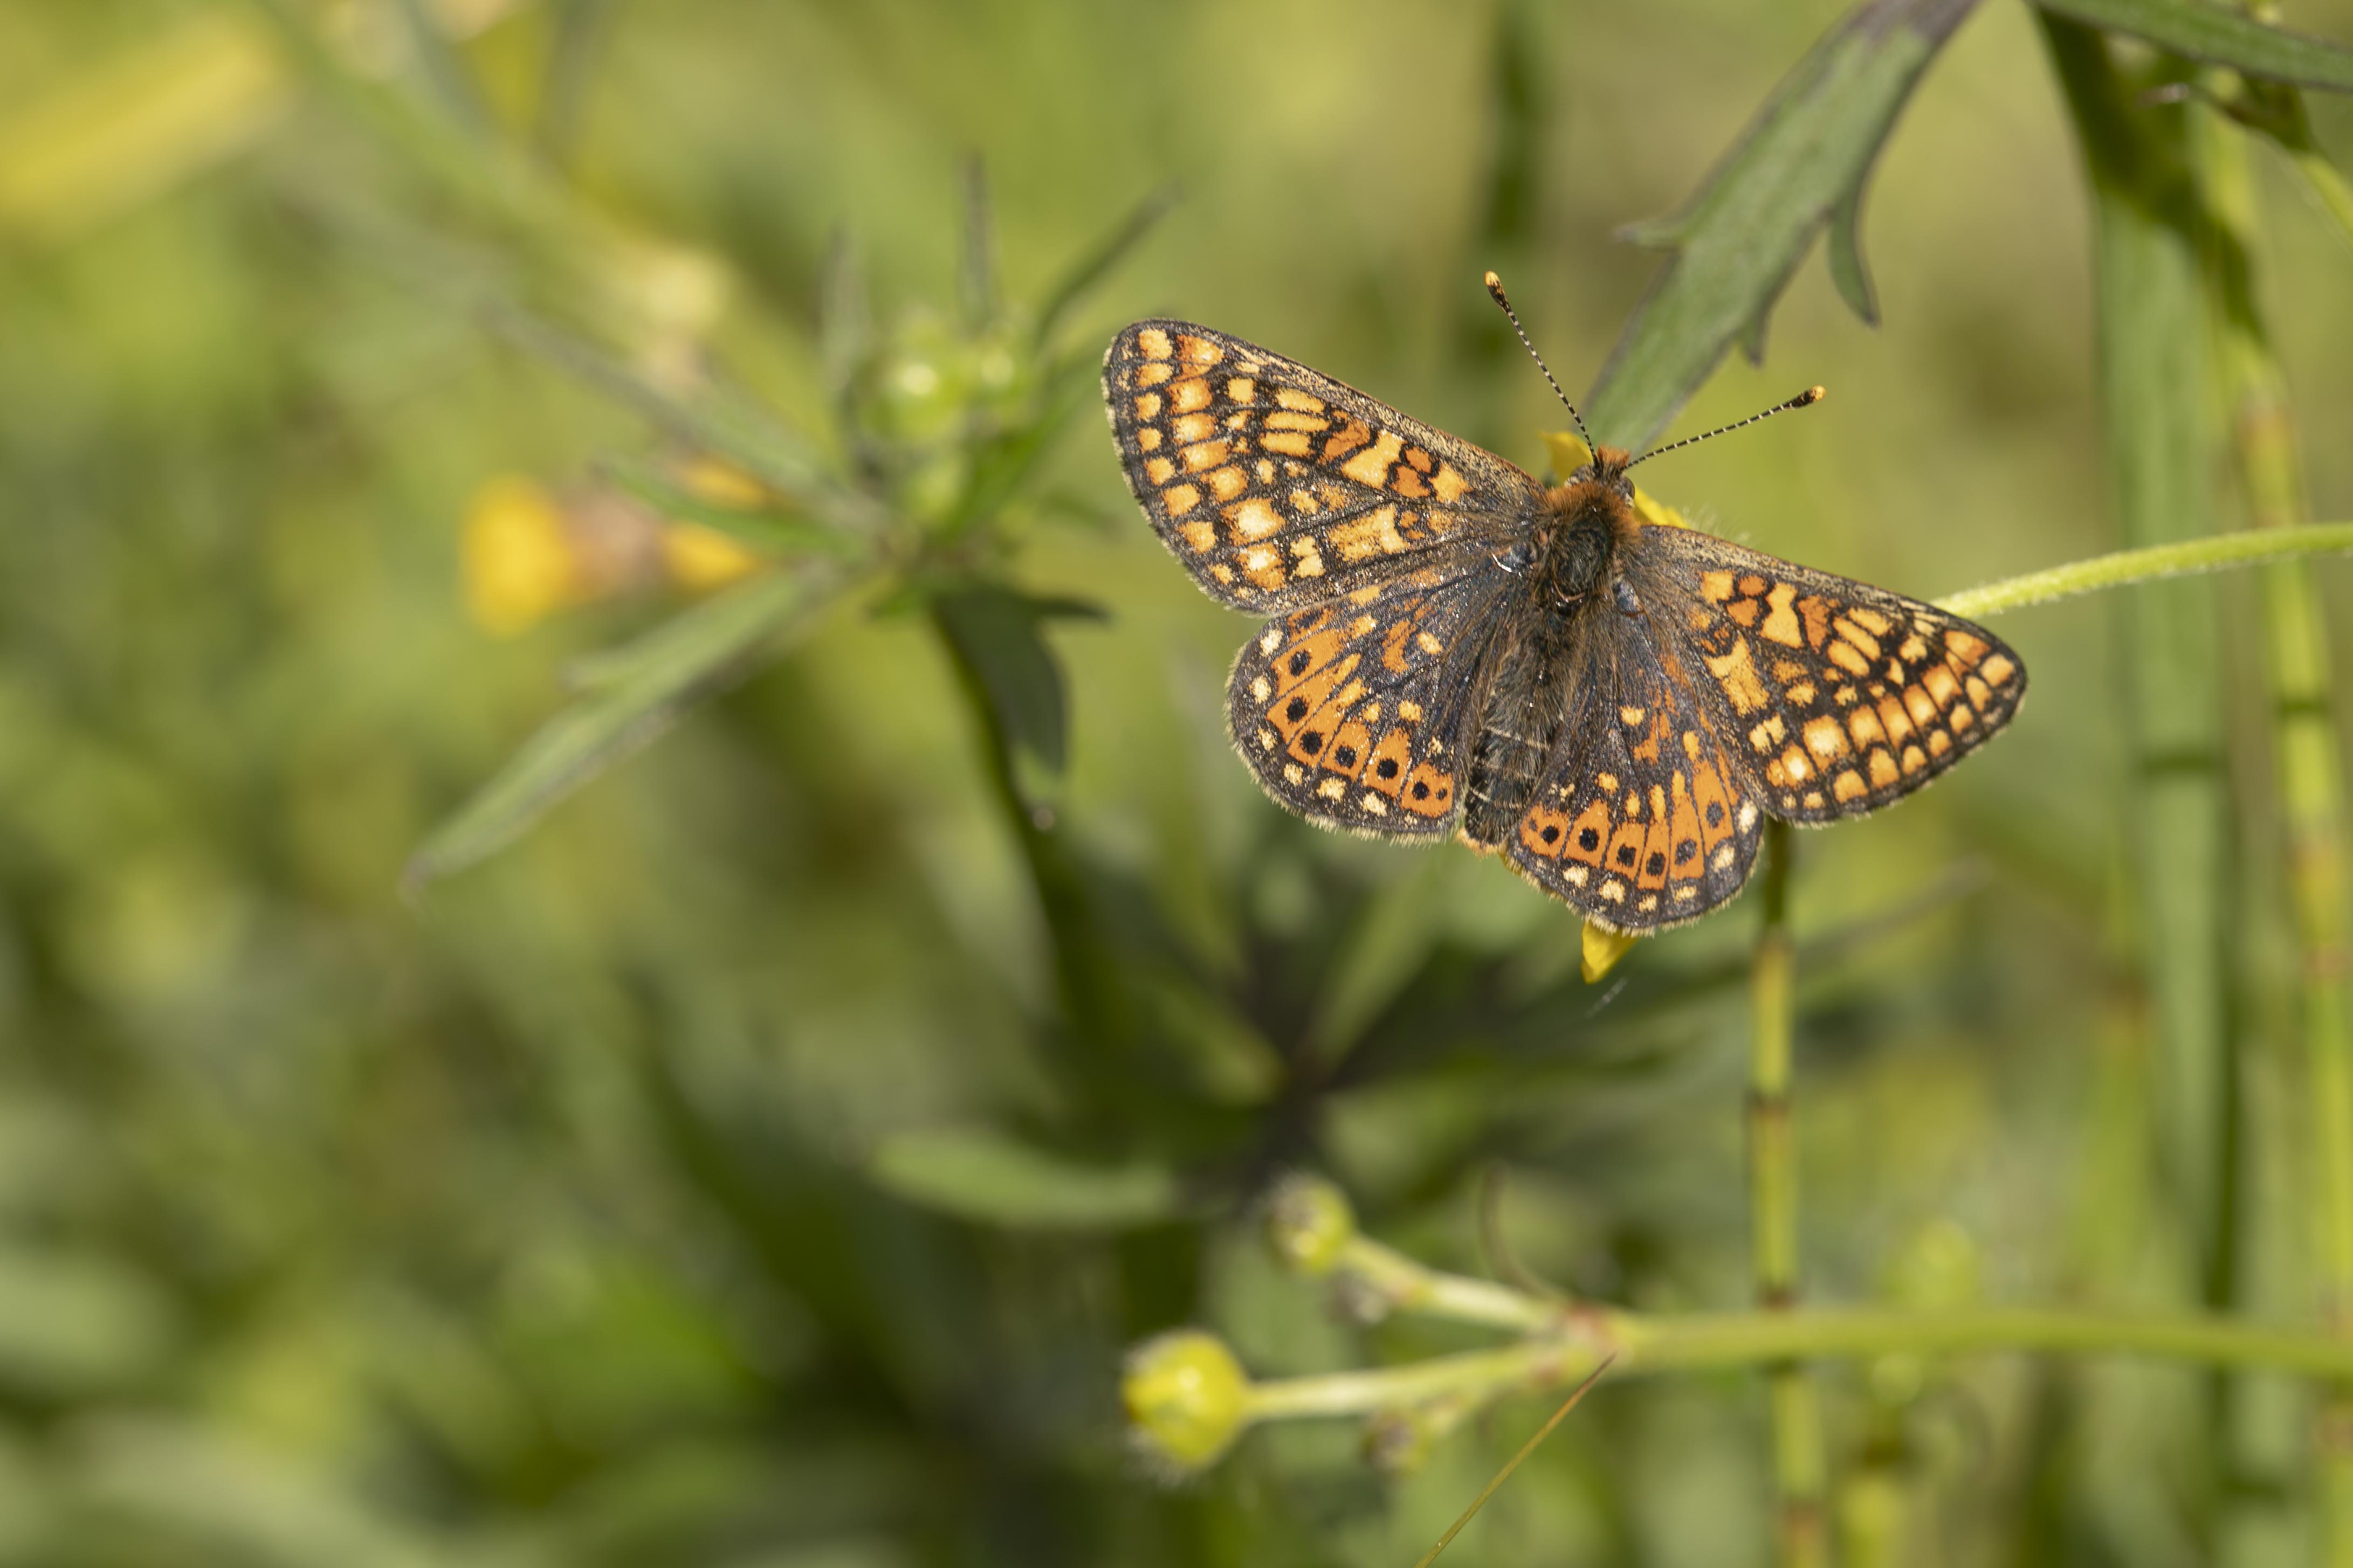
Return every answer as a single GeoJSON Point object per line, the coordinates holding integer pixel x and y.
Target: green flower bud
{"type": "Point", "coordinates": [1308, 1222]}
{"type": "Point", "coordinates": [1187, 1397]}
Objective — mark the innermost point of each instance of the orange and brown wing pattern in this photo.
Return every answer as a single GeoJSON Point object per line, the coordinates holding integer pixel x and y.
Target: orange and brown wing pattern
{"type": "Point", "coordinates": [1351, 711]}
{"type": "Point", "coordinates": [1643, 821]}
{"type": "Point", "coordinates": [1278, 486]}
{"type": "Point", "coordinates": [1840, 697]}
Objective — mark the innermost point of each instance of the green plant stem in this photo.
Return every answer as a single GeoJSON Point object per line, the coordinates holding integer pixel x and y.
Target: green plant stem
{"type": "Point", "coordinates": [1799, 1481]}
{"type": "Point", "coordinates": [1086, 974]}
{"type": "Point", "coordinates": [1718, 1342]}
{"type": "Point", "coordinates": [2308, 778]}
{"type": "Point", "coordinates": [1398, 1283]}
{"type": "Point", "coordinates": [2211, 552]}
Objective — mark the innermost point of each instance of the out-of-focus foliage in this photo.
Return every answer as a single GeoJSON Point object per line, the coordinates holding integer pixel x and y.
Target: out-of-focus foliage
{"type": "Point", "coordinates": [769, 1158]}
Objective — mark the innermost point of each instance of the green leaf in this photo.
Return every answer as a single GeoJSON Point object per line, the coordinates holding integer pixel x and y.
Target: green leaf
{"type": "Point", "coordinates": [1095, 265]}
{"type": "Point", "coordinates": [1848, 271]}
{"type": "Point", "coordinates": [1738, 241]}
{"type": "Point", "coordinates": [765, 528]}
{"type": "Point", "coordinates": [73, 1323]}
{"type": "Point", "coordinates": [1002, 462]}
{"type": "Point", "coordinates": [2218, 36]}
{"type": "Point", "coordinates": [638, 691]}
{"type": "Point", "coordinates": [721, 424]}
{"type": "Point", "coordinates": [445, 71]}
{"type": "Point", "coordinates": [996, 632]}
{"type": "Point", "coordinates": [976, 284]}
{"type": "Point", "coordinates": [978, 1174]}
{"type": "Point", "coordinates": [2154, 238]}
{"type": "Point", "coordinates": [580, 28]}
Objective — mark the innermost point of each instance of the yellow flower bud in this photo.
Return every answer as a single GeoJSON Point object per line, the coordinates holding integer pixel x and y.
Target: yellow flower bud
{"type": "Point", "coordinates": [1308, 1221]}
{"type": "Point", "coordinates": [1187, 1397]}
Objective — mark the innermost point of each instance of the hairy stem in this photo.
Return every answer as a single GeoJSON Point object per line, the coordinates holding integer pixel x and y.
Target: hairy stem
{"type": "Point", "coordinates": [2212, 553]}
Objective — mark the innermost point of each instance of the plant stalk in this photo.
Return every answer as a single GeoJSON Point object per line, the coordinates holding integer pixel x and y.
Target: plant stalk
{"type": "Point", "coordinates": [1799, 1480]}
{"type": "Point", "coordinates": [2311, 790]}
{"type": "Point", "coordinates": [1716, 1342]}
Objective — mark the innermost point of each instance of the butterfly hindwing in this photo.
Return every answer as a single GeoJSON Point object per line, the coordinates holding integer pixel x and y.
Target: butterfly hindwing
{"type": "Point", "coordinates": [1351, 711]}
{"type": "Point", "coordinates": [1837, 697]}
{"type": "Point", "coordinates": [1640, 821]}
{"type": "Point", "coordinates": [1278, 486]}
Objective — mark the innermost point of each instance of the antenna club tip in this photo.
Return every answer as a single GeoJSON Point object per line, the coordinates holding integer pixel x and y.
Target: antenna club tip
{"type": "Point", "coordinates": [1495, 284]}
{"type": "Point", "coordinates": [1812, 394]}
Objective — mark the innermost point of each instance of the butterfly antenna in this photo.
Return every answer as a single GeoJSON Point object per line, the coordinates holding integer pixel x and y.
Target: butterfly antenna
{"type": "Point", "coordinates": [1495, 291]}
{"type": "Point", "coordinates": [1812, 394]}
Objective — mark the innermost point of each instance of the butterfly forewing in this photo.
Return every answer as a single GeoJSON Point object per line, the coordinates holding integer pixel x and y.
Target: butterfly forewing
{"type": "Point", "coordinates": [1351, 712]}
{"type": "Point", "coordinates": [1278, 486]}
{"type": "Point", "coordinates": [1838, 696]}
{"type": "Point", "coordinates": [1640, 820]}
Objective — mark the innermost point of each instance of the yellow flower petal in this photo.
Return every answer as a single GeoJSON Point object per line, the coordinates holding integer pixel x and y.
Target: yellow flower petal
{"type": "Point", "coordinates": [517, 562]}
{"type": "Point", "coordinates": [1603, 949]}
{"type": "Point", "coordinates": [703, 558]}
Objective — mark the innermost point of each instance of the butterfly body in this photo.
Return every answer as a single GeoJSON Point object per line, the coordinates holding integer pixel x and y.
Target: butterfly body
{"type": "Point", "coordinates": [1611, 705]}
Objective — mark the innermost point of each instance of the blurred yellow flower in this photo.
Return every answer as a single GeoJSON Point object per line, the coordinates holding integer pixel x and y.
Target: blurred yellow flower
{"type": "Point", "coordinates": [530, 551]}
{"type": "Point", "coordinates": [722, 484]}
{"type": "Point", "coordinates": [703, 558]}
{"type": "Point", "coordinates": [518, 559]}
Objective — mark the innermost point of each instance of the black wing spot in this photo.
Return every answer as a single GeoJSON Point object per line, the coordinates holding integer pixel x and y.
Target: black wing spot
{"type": "Point", "coordinates": [1421, 790]}
{"type": "Point", "coordinates": [1654, 865]}
{"type": "Point", "coordinates": [1685, 851]}
{"type": "Point", "coordinates": [1625, 854]}
{"type": "Point", "coordinates": [1551, 836]}
{"type": "Point", "coordinates": [1309, 740]}
{"type": "Point", "coordinates": [1299, 662]}
{"type": "Point", "coordinates": [1388, 768]}
{"type": "Point", "coordinates": [1344, 755]}
{"type": "Point", "coordinates": [1588, 840]}
{"type": "Point", "coordinates": [1297, 711]}
{"type": "Point", "coordinates": [1715, 813]}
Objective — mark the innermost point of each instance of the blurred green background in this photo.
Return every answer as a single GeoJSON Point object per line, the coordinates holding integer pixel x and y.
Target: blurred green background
{"type": "Point", "coordinates": [642, 1195]}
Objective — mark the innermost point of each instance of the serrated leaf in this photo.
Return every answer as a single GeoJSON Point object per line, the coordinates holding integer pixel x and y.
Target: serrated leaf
{"type": "Point", "coordinates": [639, 690]}
{"type": "Point", "coordinates": [1740, 238]}
{"type": "Point", "coordinates": [996, 633]}
{"type": "Point", "coordinates": [2218, 36]}
{"type": "Point", "coordinates": [980, 1174]}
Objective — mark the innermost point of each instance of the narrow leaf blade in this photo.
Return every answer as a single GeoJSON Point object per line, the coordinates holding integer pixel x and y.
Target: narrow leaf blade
{"type": "Point", "coordinates": [644, 689]}
{"type": "Point", "coordinates": [984, 1175]}
{"type": "Point", "coordinates": [2219, 35]}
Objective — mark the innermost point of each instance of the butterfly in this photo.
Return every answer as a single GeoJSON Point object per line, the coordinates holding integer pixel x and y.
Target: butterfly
{"type": "Point", "coordinates": [1614, 705]}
